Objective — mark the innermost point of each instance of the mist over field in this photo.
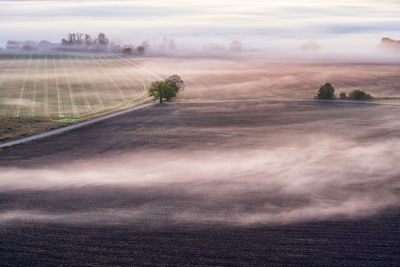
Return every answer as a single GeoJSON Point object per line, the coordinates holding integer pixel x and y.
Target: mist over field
{"type": "Point", "coordinates": [259, 76]}
{"type": "Point", "coordinates": [347, 28]}
{"type": "Point", "coordinates": [287, 50]}
{"type": "Point", "coordinates": [326, 180]}
{"type": "Point", "coordinates": [199, 133]}
{"type": "Point", "coordinates": [251, 164]}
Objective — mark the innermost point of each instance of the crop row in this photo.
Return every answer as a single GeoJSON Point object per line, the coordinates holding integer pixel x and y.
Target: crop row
{"type": "Point", "coordinates": [58, 85]}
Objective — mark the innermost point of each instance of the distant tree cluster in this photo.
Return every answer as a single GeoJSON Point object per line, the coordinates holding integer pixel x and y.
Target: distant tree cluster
{"type": "Point", "coordinates": [166, 89]}
{"type": "Point", "coordinates": [327, 91]}
{"type": "Point", "coordinates": [80, 39]}
{"type": "Point", "coordinates": [30, 45]}
{"type": "Point", "coordinates": [101, 42]}
{"type": "Point", "coordinates": [130, 49]}
{"type": "Point", "coordinates": [356, 95]}
{"type": "Point", "coordinates": [77, 41]}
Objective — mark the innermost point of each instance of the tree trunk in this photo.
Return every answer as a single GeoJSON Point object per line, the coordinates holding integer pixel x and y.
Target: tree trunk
{"type": "Point", "coordinates": [161, 100]}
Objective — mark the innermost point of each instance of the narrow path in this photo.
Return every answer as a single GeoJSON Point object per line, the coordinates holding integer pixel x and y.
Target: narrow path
{"type": "Point", "coordinates": [74, 126]}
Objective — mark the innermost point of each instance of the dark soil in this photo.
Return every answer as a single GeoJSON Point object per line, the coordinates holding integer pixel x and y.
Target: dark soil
{"type": "Point", "coordinates": [181, 127]}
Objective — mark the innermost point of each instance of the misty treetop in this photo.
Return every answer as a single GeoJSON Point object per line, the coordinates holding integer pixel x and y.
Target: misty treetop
{"type": "Point", "coordinates": [166, 89]}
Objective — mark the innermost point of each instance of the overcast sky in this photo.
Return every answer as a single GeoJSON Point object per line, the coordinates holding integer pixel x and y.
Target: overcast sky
{"type": "Point", "coordinates": [257, 23]}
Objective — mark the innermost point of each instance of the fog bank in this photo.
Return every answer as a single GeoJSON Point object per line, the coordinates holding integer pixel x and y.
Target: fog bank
{"type": "Point", "coordinates": [337, 26]}
{"type": "Point", "coordinates": [332, 178]}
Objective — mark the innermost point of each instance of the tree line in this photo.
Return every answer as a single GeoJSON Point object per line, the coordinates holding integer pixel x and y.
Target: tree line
{"type": "Point", "coordinates": [85, 39]}
{"type": "Point", "coordinates": [327, 91]}
{"type": "Point", "coordinates": [80, 40]}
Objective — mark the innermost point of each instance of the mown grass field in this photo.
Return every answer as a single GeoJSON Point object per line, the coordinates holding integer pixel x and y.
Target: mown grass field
{"type": "Point", "coordinates": [42, 90]}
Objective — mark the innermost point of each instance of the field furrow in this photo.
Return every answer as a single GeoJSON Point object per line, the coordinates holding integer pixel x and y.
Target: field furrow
{"type": "Point", "coordinates": [133, 73]}
{"type": "Point", "coordinates": [127, 84]}
{"type": "Point", "coordinates": [52, 88]}
{"type": "Point", "coordinates": [6, 67]}
{"type": "Point", "coordinates": [46, 112]}
{"type": "Point", "coordinates": [34, 95]}
{"type": "Point", "coordinates": [3, 87]}
{"type": "Point", "coordinates": [22, 90]}
{"type": "Point", "coordinates": [99, 62]}
{"type": "Point", "coordinates": [74, 111]}
{"type": "Point", "coordinates": [100, 97]}
{"type": "Point", "coordinates": [80, 85]}
{"type": "Point", "coordinates": [53, 83]}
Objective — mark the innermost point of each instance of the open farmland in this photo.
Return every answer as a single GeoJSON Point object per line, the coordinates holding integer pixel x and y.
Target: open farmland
{"type": "Point", "coordinates": [255, 75]}
{"type": "Point", "coordinates": [44, 90]}
{"type": "Point", "coordinates": [290, 183]}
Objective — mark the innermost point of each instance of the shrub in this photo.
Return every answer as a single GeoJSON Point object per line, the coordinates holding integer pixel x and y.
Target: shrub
{"type": "Point", "coordinates": [343, 95]}
{"type": "Point", "coordinates": [359, 95]}
{"type": "Point", "coordinates": [326, 92]}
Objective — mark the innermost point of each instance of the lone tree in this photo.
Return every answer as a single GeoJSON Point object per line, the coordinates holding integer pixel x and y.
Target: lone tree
{"type": "Point", "coordinates": [166, 89]}
{"type": "Point", "coordinates": [161, 90]}
{"type": "Point", "coordinates": [359, 95]}
{"type": "Point", "coordinates": [326, 92]}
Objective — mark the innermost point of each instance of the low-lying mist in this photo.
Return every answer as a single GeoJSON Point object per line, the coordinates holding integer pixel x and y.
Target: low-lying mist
{"type": "Point", "coordinates": [329, 179]}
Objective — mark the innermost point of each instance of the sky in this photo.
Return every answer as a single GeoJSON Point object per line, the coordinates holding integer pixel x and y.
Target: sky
{"type": "Point", "coordinates": [258, 24]}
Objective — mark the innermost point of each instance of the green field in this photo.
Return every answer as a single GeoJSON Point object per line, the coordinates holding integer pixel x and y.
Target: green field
{"type": "Point", "coordinates": [42, 90]}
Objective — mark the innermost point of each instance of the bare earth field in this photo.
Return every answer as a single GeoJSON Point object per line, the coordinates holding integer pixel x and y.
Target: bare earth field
{"type": "Point", "coordinates": [250, 183]}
